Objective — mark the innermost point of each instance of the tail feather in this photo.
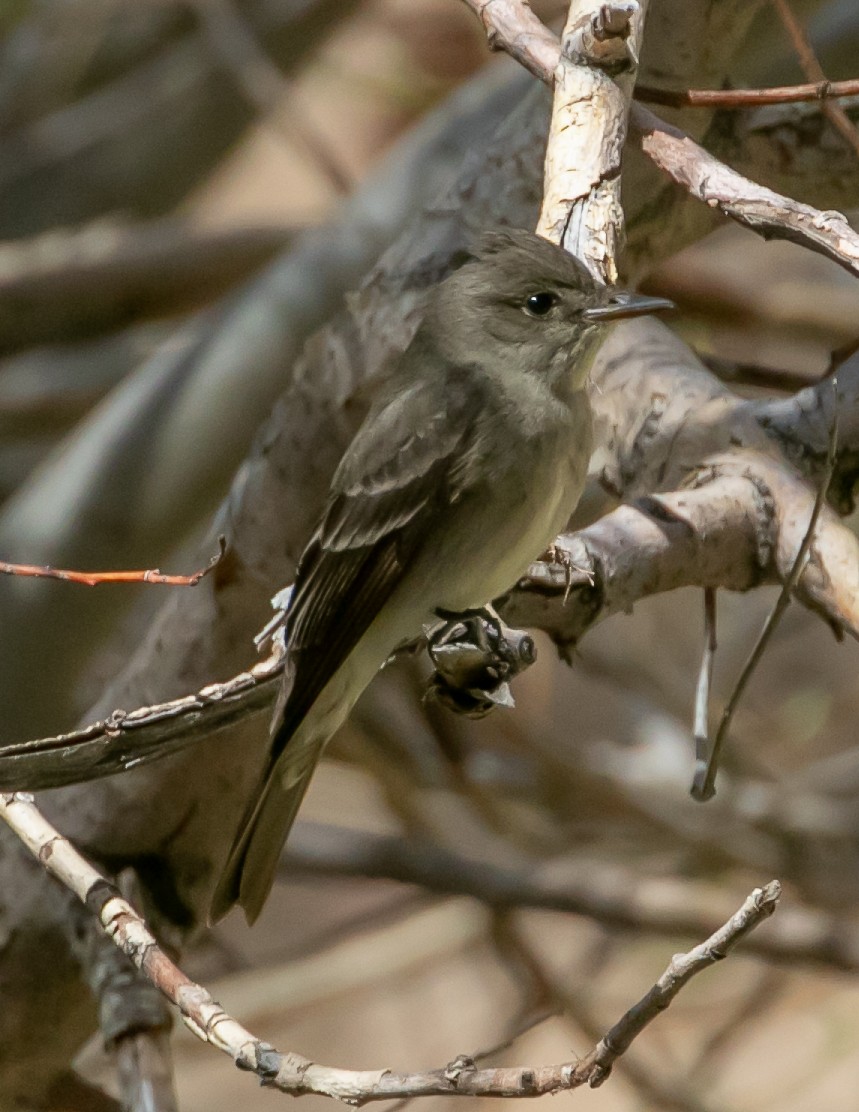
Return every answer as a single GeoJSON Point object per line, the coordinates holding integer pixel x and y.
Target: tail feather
{"type": "Point", "coordinates": [250, 870]}
{"type": "Point", "coordinates": [295, 751]}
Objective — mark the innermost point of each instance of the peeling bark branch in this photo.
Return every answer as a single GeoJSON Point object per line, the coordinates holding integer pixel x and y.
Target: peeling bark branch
{"type": "Point", "coordinates": [134, 1021]}
{"type": "Point", "coordinates": [127, 739]}
{"type": "Point", "coordinates": [658, 425]}
{"type": "Point", "coordinates": [740, 526]}
{"type": "Point", "coordinates": [700, 173]}
{"type": "Point", "coordinates": [593, 82]}
{"type": "Point", "coordinates": [737, 524]}
{"type": "Point", "coordinates": [291, 1073]}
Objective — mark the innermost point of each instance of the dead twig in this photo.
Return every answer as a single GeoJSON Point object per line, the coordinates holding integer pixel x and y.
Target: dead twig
{"type": "Point", "coordinates": [574, 1005]}
{"type": "Point", "coordinates": [291, 1073]}
{"type": "Point", "coordinates": [764, 211]}
{"type": "Point", "coordinates": [747, 98]}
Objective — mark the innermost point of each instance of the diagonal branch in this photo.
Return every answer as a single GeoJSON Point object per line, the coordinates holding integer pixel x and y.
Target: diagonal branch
{"type": "Point", "coordinates": [764, 211]}
{"type": "Point", "coordinates": [128, 739]}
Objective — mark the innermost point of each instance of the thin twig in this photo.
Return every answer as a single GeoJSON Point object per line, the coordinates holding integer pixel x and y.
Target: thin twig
{"type": "Point", "coordinates": [758, 906]}
{"type": "Point", "coordinates": [291, 1073]}
{"type": "Point", "coordinates": [96, 578]}
{"type": "Point", "coordinates": [814, 72]}
{"type": "Point", "coordinates": [701, 720]}
{"type": "Point", "coordinates": [573, 1003]}
{"type": "Point", "coordinates": [747, 98]}
{"type": "Point", "coordinates": [703, 784]}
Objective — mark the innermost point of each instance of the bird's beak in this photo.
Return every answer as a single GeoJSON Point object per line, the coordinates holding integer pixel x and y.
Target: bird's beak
{"type": "Point", "coordinates": [622, 304]}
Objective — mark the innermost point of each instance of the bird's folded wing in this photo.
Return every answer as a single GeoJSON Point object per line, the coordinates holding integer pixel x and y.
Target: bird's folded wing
{"type": "Point", "coordinates": [412, 459]}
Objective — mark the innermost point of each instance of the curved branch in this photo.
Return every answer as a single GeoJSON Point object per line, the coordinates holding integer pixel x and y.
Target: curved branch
{"type": "Point", "coordinates": [291, 1073]}
{"type": "Point", "coordinates": [738, 526]}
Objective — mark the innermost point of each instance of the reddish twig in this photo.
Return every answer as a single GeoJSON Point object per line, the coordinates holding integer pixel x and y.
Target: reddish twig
{"type": "Point", "coordinates": [96, 578]}
{"type": "Point", "coordinates": [748, 98]}
{"type": "Point", "coordinates": [814, 72]}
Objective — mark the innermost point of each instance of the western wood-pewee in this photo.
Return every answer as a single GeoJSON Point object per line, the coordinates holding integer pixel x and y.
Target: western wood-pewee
{"type": "Point", "coordinates": [468, 465]}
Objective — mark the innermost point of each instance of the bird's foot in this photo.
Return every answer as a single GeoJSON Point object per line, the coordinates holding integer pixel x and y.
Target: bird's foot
{"type": "Point", "coordinates": [475, 656]}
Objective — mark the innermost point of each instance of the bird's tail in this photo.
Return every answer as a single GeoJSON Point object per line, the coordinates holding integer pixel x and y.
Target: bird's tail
{"type": "Point", "coordinates": [250, 870]}
{"type": "Point", "coordinates": [296, 747]}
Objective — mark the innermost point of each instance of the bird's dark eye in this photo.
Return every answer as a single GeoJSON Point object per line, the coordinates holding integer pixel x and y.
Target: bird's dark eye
{"type": "Point", "coordinates": [539, 304]}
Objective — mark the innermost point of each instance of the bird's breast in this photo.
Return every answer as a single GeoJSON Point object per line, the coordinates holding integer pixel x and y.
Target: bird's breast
{"type": "Point", "coordinates": [505, 524]}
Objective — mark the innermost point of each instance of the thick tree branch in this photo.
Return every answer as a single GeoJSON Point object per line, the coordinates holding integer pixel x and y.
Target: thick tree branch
{"type": "Point", "coordinates": [208, 632]}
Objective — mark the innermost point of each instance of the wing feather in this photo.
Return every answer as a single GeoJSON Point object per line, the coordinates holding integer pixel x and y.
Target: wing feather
{"type": "Point", "coordinates": [412, 458]}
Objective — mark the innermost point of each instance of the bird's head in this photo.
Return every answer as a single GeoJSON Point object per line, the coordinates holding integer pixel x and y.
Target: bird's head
{"type": "Point", "coordinates": [523, 300]}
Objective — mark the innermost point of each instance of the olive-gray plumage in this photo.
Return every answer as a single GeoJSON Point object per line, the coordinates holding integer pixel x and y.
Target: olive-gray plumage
{"type": "Point", "coordinates": [466, 468]}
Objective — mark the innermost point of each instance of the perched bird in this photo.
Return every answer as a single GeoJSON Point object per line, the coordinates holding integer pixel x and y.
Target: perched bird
{"type": "Point", "coordinates": [468, 465]}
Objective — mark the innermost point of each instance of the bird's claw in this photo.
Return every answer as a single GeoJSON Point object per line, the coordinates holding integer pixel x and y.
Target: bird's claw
{"type": "Point", "coordinates": [475, 656]}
